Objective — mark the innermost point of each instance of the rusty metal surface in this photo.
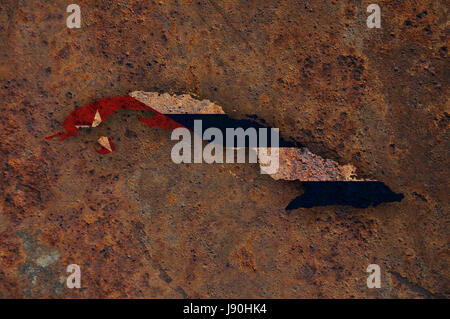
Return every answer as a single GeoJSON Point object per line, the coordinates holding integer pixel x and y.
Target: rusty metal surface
{"type": "Point", "coordinates": [141, 226]}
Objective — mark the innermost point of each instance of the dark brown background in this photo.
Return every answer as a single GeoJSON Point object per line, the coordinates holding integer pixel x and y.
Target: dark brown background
{"type": "Point", "coordinates": [140, 226]}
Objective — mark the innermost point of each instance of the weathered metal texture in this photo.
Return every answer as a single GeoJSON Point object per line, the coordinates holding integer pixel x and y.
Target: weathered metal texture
{"type": "Point", "coordinates": [141, 226]}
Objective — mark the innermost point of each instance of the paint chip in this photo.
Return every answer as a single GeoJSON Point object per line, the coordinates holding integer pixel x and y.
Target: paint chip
{"type": "Point", "coordinates": [97, 119]}
{"type": "Point", "coordinates": [103, 141]}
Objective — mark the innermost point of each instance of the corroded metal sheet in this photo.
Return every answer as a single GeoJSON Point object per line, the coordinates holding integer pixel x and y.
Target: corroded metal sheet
{"type": "Point", "coordinates": [139, 225]}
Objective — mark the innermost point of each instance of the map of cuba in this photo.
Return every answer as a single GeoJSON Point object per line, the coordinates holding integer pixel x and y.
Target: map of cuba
{"type": "Point", "coordinates": [326, 182]}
